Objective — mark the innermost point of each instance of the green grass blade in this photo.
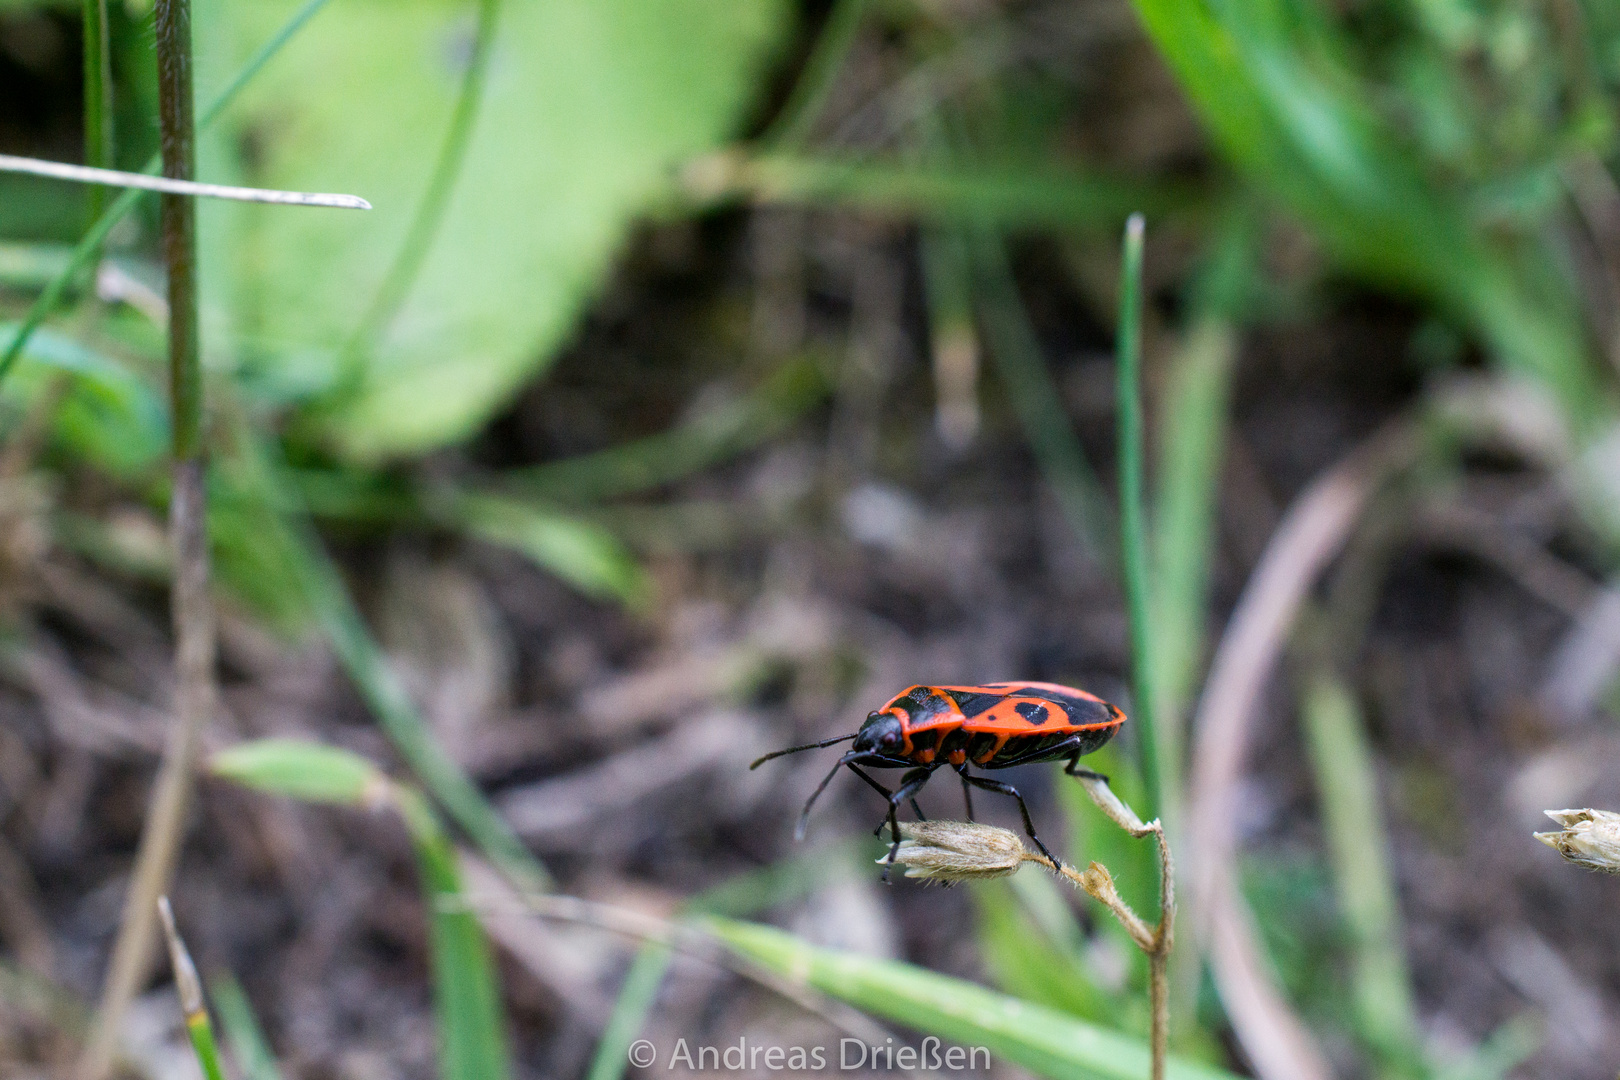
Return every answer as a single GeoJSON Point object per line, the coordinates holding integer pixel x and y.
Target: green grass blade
{"type": "Point", "coordinates": [1035, 398]}
{"type": "Point", "coordinates": [303, 770]}
{"type": "Point", "coordinates": [635, 1000]}
{"type": "Point", "coordinates": [703, 441]}
{"type": "Point", "coordinates": [1191, 434]}
{"type": "Point", "coordinates": [585, 555]}
{"type": "Point", "coordinates": [472, 1037]}
{"type": "Point", "coordinates": [396, 284]}
{"type": "Point", "coordinates": [960, 194]}
{"type": "Point", "coordinates": [1028, 962]}
{"type": "Point", "coordinates": [98, 105]}
{"type": "Point", "coordinates": [188, 988]}
{"type": "Point", "coordinates": [1346, 781]}
{"type": "Point", "coordinates": [243, 1032]}
{"type": "Point", "coordinates": [743, 894]}
{"type": "Point", "coordinates": [466, 993]}
{"type": "Point", "coordinates": [809, 95]}
{"type": "Point", "coordinates": [204, 1046]}
{"type": "Point", "coordinates": [1132, 526]}
{"type": "Point", "coordinates": [1037, 1038]}
{"type": "Point", "coordinates": [89, 245]}
{"type": "Point", "coordinates": [1284, 106]}
{"type": "Point", "coordinates": [363, 660]}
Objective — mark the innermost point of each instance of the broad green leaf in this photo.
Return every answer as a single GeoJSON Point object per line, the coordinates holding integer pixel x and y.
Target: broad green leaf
{"type": "Point", "coordinates": [1040, 1039]}
{"type": "Point", "coordinates": [310, 771]}
{"type": "Point", "coordinates": [588, 106]}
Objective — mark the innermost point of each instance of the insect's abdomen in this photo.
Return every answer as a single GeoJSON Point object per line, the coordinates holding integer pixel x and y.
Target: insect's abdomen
{"type": "Point", "coordinates": [1028, 747]}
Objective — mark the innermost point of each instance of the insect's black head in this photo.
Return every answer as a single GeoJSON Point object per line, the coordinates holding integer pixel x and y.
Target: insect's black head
{"type": "Point", "coordinates": [882, 733]}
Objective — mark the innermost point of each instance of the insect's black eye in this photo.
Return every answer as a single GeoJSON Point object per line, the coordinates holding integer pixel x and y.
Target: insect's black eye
{"type": "Point", "coordinates": [891, 739]}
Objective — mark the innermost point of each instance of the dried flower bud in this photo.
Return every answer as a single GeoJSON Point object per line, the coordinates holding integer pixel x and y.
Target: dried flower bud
{"type": "Point", "coordinates": [1589, 838]}
{"type": "Point", "coordinates": [958, 850]}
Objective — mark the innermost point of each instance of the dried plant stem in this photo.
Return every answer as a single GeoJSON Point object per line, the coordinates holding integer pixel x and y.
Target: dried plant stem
{"type": "Point", "coordinates": [1155, 941]}
{"type": "Point", "coordinates": [192, 1006]}
{"type": "Point", "coordinates": [192, 607]}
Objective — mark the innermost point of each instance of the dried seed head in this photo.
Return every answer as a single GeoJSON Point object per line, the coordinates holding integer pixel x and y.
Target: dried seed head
{"type": "Point", "coordinates": [1589, 838]}
{"type": "Point", "coordinates": [958, 850]}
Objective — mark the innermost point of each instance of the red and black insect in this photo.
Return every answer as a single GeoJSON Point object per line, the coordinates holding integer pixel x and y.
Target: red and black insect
{"type": "Point", "coordinates": [992, 726]}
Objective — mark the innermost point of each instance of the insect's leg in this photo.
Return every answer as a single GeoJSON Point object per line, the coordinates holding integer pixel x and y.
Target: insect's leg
{"type": "Point", "coordinates": [1073, 769]}
{"type": "Point", "coordinates": [967, 792]}
{"type": "Point", "coordinates": [1007, 789]}
{"type": "Point", "coordinates": [910, 784]}
{"type": "Point", "coordinates": [918, 811]}
{"type": "Point", "coordinates": [880, 789]}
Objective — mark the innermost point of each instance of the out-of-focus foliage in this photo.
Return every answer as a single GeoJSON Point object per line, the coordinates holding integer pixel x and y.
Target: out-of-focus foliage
{"type": "Point", "coordinates": [587, 107]}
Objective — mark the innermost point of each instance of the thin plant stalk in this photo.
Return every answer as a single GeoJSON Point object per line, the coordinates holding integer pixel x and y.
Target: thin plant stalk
{"type": "Point", "coordinates": [1017, 355]}
{"type": "Point", "coordinates": [192, 607]}
{"type": "Point", "coordinates": [1157, 941]}
{"type": "Point", "coordinates": [98, 107]}
{"type": "Point", "coordinates": [189, 986]}
{"type": "Point", "coordinates": [89, 246]}
{"type": "Point", "coordinates": [430, 212]}
{"type": "Point", "coordinates": [809, 95]}
{"type": "Point", "coordinates": [1132, 523]}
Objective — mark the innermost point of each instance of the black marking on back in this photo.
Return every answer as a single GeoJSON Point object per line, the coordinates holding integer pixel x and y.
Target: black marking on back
{"type": "Point", "coordinates": [921, 704]}
{"type": "Point", "coordinates": [1080, 711]}
{"type": "Point", "coordinates": [1035, 713]}
{"type": "Point", "coordinates": [973, 704]}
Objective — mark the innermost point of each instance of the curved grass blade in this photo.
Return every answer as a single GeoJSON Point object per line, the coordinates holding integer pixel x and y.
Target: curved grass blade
{"type": "Point", "coordinates": [810, 93]}
{"type": "Point", "coordinates": [741, 895]}
{"type": "Point", "coordinates": [363, 659]}
{"type": "Point", "coordinates": [472, 1037]}
{"type": "Point", "coordinates": [1040, 1039]}
{"type": "Point", "coordinates": [466, 993]}
{"type": "Point", "coordinates": [243, 1033]}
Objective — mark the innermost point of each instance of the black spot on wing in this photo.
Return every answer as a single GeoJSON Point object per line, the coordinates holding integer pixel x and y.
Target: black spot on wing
{"type": "Point", "coordinates": [1032, 711]}
{"type": "Point", "coordinates": [1080, 711]}
{"type": "Point", "coordinates": [973, 704]}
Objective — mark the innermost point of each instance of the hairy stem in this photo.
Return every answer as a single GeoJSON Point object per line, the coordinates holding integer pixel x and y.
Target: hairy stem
{"type": "Point", "coordinates": [1155, 941]}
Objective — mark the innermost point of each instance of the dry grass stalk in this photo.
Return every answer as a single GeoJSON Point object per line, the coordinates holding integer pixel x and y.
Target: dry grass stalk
{"type": "Point", "coordinates": [966, 851]}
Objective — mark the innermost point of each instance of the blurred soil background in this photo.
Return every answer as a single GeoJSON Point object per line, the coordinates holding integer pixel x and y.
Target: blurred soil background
{"type": "Point", "coordinates": [878, 526]}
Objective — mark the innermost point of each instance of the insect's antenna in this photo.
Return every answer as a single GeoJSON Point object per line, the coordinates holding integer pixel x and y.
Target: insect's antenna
{"type": "Point", "coordinates": [796, 749]}
{"type": "Point", "coordinates": [804, 817]}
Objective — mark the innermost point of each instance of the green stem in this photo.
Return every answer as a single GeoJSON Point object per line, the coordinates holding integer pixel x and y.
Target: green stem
{"type": "Point", "coordinates": [98, 113]}
{"type": "Point", "coordinates": [89, 246]}
{"type": "Point", "coordinates": [202, 1041]}
{"type": "Point", "coordinates": [1133, 528]}
{"type": "Point", "coordinates": [810, 93]}
{"type": "Point", "coordinates": [192, 606]}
